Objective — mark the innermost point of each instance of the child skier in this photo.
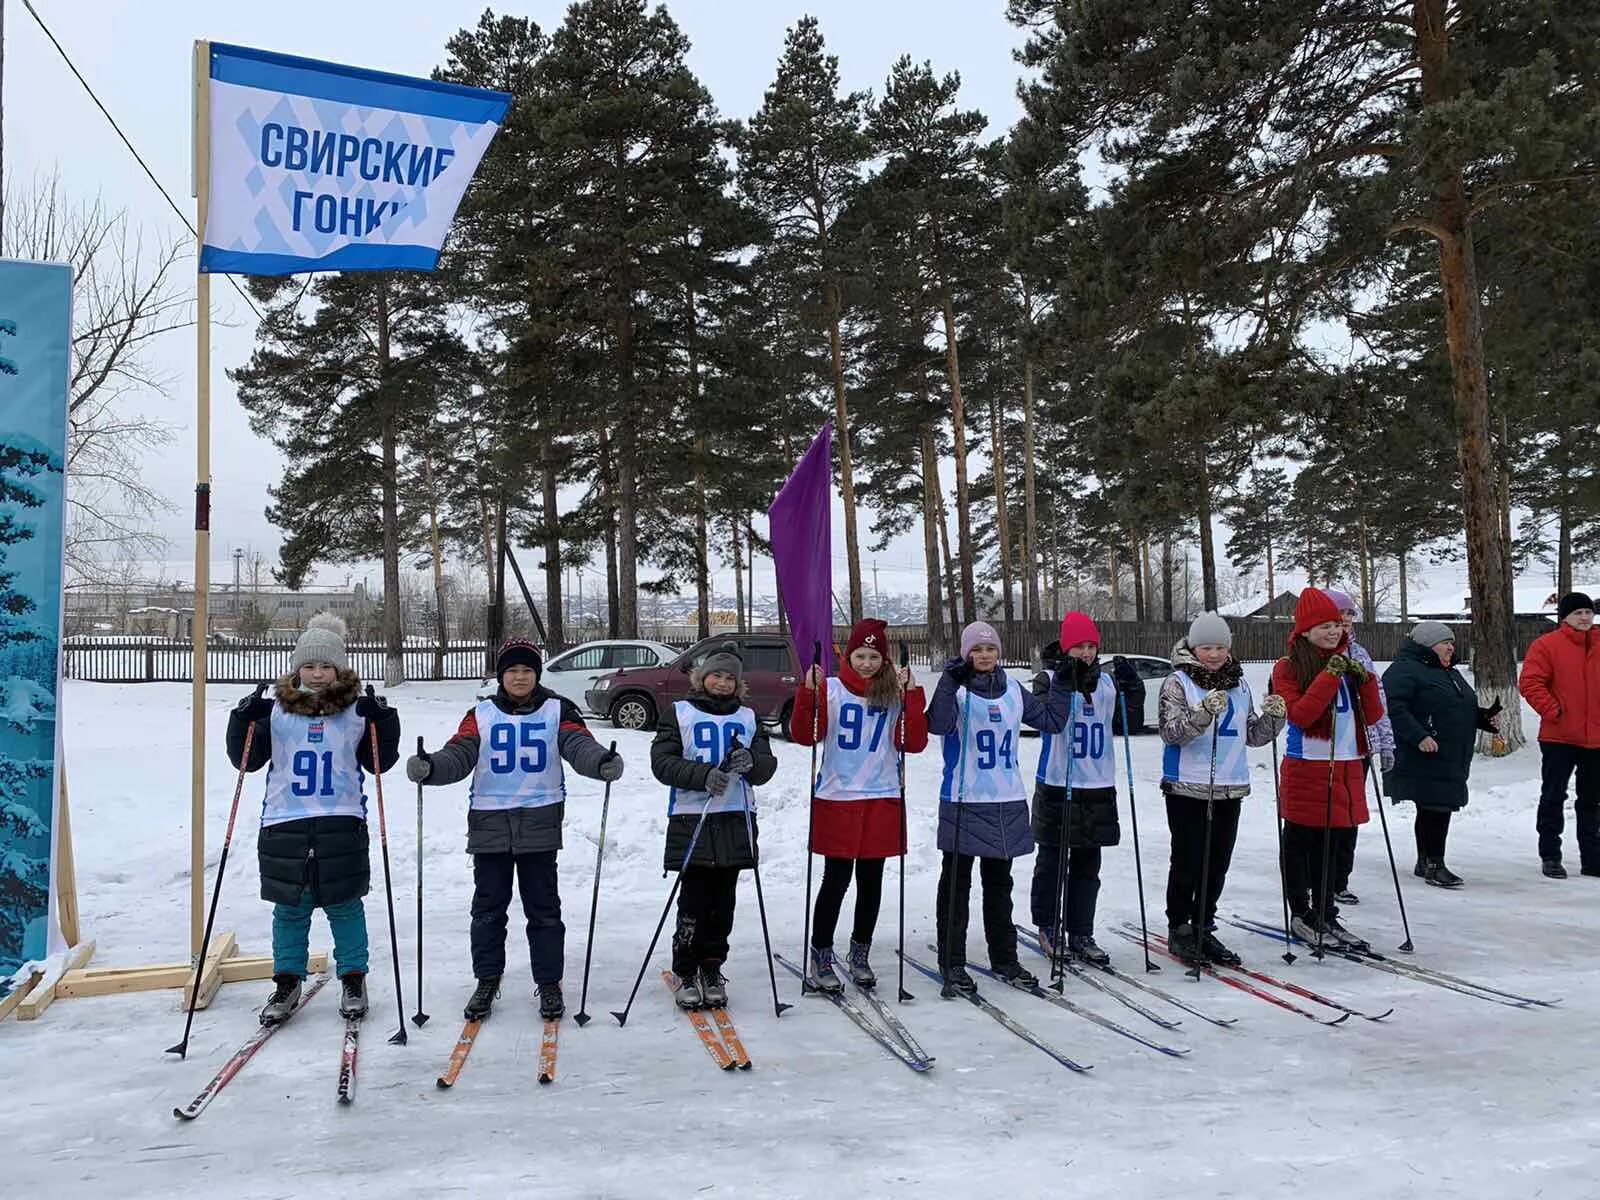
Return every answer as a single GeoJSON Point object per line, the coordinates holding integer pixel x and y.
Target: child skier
{"type": "Point", "coordinates": [695, 755]}
{"type": "Point", "coordinates": [983, 806]}
{"type": "Point", "coordinates": [1322, 782]}
{"type": "Point", "coordinates": [1206, 709]}
{"type": "Point", "coordinates": [512, 745]}
{"type": "Point", "coordinates": [316, 732]}
{"type": "Point", "coordinates": [1380, 736]}
{"type": "Point", "coordinates": [1077, 780]}
{"type": "Point", "coordinates": [857, 819]}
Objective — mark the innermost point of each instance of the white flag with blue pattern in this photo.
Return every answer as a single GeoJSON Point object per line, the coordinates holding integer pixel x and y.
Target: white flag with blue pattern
{"type": "Point", "coordinates": [321, 167]}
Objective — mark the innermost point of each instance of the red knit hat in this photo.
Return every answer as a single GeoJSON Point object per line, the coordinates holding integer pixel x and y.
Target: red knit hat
{"type": "Point", "coordinates": [1313, 608]}
{"type": "Point", "coordinates": [871, 633]}
{"type": "Point", "coordinates": [1078, 627]}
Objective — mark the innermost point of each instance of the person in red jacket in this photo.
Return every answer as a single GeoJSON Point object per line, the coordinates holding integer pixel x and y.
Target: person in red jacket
{"type": "Point", "coordinates": [1331, 702]}
{"type": "Point", "coordinates": [869, 713]}
{"type": "Point", "coordinates": [1561, 679]}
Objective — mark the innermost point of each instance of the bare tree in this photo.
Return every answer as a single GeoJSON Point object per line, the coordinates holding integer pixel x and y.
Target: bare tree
{"type": "Point", "coordinates": [125, 296]}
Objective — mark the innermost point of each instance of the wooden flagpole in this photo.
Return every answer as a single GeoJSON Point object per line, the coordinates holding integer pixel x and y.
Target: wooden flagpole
{"type": "Point", "coordinates": [202, 499]}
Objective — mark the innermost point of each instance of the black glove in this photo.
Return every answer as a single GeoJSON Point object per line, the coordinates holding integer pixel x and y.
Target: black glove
{"type": "Point", "coordinates": [958, 671]}
{"type": "Point", "coordinates": [419, 766]}
{"type": "Point", "coordinates": [717, 781]}
{"type": "Point", "coordinates": [371, 706]}
{"type": "Point", "coordinates": [255, 706]}
{"type": "Point", "coordinates": [611, 766]}
{"type": "Point", "coordinates": [739, 761]}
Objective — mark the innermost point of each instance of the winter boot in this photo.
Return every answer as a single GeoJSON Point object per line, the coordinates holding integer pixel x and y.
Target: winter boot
{"type": "Point", "coordinates": [482, 1000]}
{"type": "Point", "coordinates": [1590, 871]}
{"type": "Point", "coordinates": [713, 987]}
{"type": "Point", "coordinates": [861, 972]}
{"type": "Point", "coordinates": [1014, 973]}
{"type": "Point", "coordinates": [1347, 897]}
{"type": "Point", "coordinates": [1181, 941]}
{"type": "Point", "coordinates": [353, 996]}
{"type": "Point", "coordinates": [1047, 942]}
{"type": "Point", "coordinates": [551, 1005]}
{"type": "Point", "coordinates": [957, 982]}
{"type": "Point", "coordinates": [1553, 869]}
{"type": "Point", "coordinates": [1420, 870]}
{"type": "Point", "coordinates": [280, 1006]}
{"type": "Point", "coordinates": [1084, 948]}
{"type": "Point", "coordinates": [1440, 875]}
{"type": "Point", "coordinates": [1216, 952]}
{"type": "Point", "coordinates": [1305, 927]}
{"type": "Point", "coordinates": [1342, 936]}
{"type": "Point", "coordinates": [820, 974]}
{"type": "Point", "coordinates": [688, 993]}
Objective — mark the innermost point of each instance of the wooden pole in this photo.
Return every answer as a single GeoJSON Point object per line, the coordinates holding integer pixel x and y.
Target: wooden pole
{"type": "Point", "coordinates": [66, 868]}
{"type": "Point", "coordinates": [202, 499]}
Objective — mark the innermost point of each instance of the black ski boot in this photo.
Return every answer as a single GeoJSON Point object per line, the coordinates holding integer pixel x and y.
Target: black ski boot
{"type": "Point", "coordinates": [1216, 952]}
{"type": "Point", "coordinates": [285, 995]}
{"type": "Point", "coordinates": [483, 997]}
{"type": "Point", "coordinates": [713, 987]}
{"type": "Point", "coordinates": [1181, 941]}
{"type": "Point", "coordinates": [551, 1004]}
{"type": "Point", "coordinates": [1441, 876]}
{"type": "Point", "coordinates": [1084, 948]}
{"type": "Point", "coordinates": [1346, 897]}
{"type": "Point", "coordinates": [353, 994]}
{"type": "Point", "coordinates": [957, 982]}
{"type": "Point", "coordinates": [1553, 869]}
{"type": "Point", "coordinates": [1344, 939]}
{"type": "Point", "coordinates": [687, 994]}
{"type": "Point", "coordinates": [1014, 973]}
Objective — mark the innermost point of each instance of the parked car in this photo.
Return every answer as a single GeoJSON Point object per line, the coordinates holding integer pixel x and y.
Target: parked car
{"type": "Point", "coordinates": [573, 672]}
{"type": "Point", "coordinates": [1152, 673]}
{"type": "Point", "coordinates": [635, 698]}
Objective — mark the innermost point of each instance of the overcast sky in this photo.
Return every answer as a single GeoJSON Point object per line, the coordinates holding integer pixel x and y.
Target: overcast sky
{"type": "Point", "coordinates": [137, 53]}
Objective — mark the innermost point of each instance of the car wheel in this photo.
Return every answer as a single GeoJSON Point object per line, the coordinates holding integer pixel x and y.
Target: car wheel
{"type": "Point", "coordinates": [784, 714]}
{"type": "Point", "coordinates": [633, 712]}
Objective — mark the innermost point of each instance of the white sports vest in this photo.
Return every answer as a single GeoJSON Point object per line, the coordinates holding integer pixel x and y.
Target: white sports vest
{"type": "Point", "coordinates": [519, 758]}
{"type": "Point", "coordinates": [707, 738]}
{"type": "Point", "coordinates": [1192, 763]}
{"type": "Point", "coordinates": [1094, 752]}
{"type": "Point", "coordinates": [984, 749]}
{"type": "Point", "coordinates": [859, 759]}
{"type": "Point", "coordinates": [1345, 746]}
{"type": "Point", "coordinates": [314, 772]}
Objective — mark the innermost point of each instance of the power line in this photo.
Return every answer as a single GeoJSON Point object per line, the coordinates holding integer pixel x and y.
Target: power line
{"type": "Point", "coordinates": [182, 216]}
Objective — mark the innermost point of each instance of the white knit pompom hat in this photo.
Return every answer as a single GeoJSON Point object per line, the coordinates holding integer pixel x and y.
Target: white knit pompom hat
{"type": "Point", "coordinates": [322, 642]}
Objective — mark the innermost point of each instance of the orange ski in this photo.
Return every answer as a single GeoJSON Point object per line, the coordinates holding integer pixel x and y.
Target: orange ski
{"type": "Point", "coordinates": [458, 1056]}
{"type": "Point", "coordinates": [708, 1036]}
{"type": "Point", "coordinates": [730, 1037]}
{"type": "Point", "coordinates": [547, 1050]}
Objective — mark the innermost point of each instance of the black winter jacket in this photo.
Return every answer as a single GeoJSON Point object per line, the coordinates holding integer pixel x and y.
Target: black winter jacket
{"type": "Point", "coordinates": [1429, 699]}
{"type": "Point", "coordinates": [1092, 815]}
{"type": "Point", "coordinates": [321, 859]}
{"type": "Point", "coordinates": [723, 841]}
{"type": "Point", "coordinates": [516, 830]}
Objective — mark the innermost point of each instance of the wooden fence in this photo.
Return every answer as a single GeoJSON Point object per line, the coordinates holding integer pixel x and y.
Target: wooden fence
{"type": "Point", "coordinates": [133, 660]}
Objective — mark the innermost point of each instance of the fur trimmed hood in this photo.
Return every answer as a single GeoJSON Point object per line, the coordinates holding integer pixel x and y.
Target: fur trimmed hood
{"type": "Point", "coordinates": [339, 695]}
{"type": "Point", "coordinates": [1224, 679]}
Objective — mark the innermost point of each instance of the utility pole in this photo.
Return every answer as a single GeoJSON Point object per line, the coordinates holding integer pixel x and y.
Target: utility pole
{"type": "Point", "coordinates": [238, 562]}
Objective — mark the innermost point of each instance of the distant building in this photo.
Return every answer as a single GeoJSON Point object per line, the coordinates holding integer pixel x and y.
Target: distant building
{"type": "Point", "coordinates": [1259, 608]}
{"type": "Point", "coordinates": [167, 610]}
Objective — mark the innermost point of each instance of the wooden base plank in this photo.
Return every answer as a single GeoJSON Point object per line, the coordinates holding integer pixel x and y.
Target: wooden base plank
{"type": "Point", "coordinates": [41, 997]}
{"type": "Point", "coordinates": [108, 981]}
{"type": "Point", "coordinates": [223, 946]}
{"type": "Point", "coordinates": [19, 994]}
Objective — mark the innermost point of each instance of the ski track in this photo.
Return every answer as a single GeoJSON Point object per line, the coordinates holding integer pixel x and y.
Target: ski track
{"type": "Point", "coordinates": [1449, 1096]}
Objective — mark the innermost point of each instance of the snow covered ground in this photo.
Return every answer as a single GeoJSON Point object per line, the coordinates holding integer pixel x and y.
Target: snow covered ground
{"type": "Point", "coordinates": [1450, 1097]}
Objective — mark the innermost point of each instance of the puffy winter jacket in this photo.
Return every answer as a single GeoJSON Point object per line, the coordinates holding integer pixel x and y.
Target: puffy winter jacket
{"type": "Point", "coordinates": [1304, 786]}
{"type": "Point", "coordinates": [1561, 679]}
{"type": "Point", "coordinates": [723, 841]}
{"type": "Point", "coordinates": [1428, 699]}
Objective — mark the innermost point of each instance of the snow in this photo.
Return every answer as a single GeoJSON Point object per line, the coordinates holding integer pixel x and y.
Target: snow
{"type": "Point", "coordinates": [1451, 1096]}
{"type": "Point", "coordinates": [23, 702]}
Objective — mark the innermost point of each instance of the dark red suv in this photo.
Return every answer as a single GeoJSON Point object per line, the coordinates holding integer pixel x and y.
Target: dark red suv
{"type": "Point", "coordinates": [636, 698]}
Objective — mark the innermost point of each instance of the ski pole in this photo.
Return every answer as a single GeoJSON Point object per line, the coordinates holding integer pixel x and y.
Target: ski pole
{"type": "Point", "coordinates": [182, 1048]}
{"type": "Point", "coordinates": [399, 1036]}
{"type": "Point", "coordinates": [954, 865]}
{"type": "Point", "coordinates": [1377, 788]}
{"type": "Point", "coordinates": [582, 1017]}
{"type": "Point", "coordinates": [1133, 812]}
{"type": "Point", "coordinates": [778, 1006]}
{"type": "Point", "coordinates": [818, 698]}
{"type": "Point", "coordinates": [1283, 864]}
{"type": "Point", "coordinates": [419, 1018]}
{"type": "Point", "coordinates": [1327, 823]}
{"type": "Point", "coordinates": [905, 840]}
{"type": "Point", "coordinates": [1058, 954]}
{"type": "Point", "coordinates": [694, 838]}
{"type": "Point", "coordinates": [1201, 900]}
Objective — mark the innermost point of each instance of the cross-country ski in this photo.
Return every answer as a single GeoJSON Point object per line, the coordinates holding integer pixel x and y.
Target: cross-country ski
{"type": "Point", "coordinates": [237, 1060]}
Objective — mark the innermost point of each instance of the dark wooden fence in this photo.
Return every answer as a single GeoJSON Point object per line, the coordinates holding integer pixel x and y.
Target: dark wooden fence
{"type": "Point", "coordinates": [134, 660]}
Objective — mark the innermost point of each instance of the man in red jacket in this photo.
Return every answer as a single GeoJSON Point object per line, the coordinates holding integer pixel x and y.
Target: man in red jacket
{"type": "Point", "coordinates": [1561, 679]}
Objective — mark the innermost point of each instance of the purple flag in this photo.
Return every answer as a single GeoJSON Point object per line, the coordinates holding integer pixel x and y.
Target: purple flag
{"type": "Point", "coordinates": [801, 526]}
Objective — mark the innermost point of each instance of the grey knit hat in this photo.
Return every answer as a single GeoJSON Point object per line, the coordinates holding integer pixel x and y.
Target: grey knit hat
{"type": "Point", "coordinates": [1431, 633]}
{"type": "Point", "coordinates": [1209, 629]}
{"type": "Point", "coordinates": [723, 660]}
{"type": "Point", "coordinates": [322, 642]}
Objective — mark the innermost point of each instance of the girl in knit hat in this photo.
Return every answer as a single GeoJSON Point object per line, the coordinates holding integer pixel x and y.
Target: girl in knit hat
{"type": "Point", "coordinates": [513, 745]}
{"type": "Point", "coordinates": [316, 732]}
{"type": "Point", "coordinates": [1075, 794]}
{"type": "Point", "coordinates": [1206, 695]}
{"type": "Point", "coordinates": [1322, 782]}
{"type": "Point", "coordinates": [1380, 736]}
{"type": "Point", "coordinates": [868, 714]}
{"type": "Point", "coordinates": [983, 806]}
{"type": "Point", "coordinates": [695, 756]}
